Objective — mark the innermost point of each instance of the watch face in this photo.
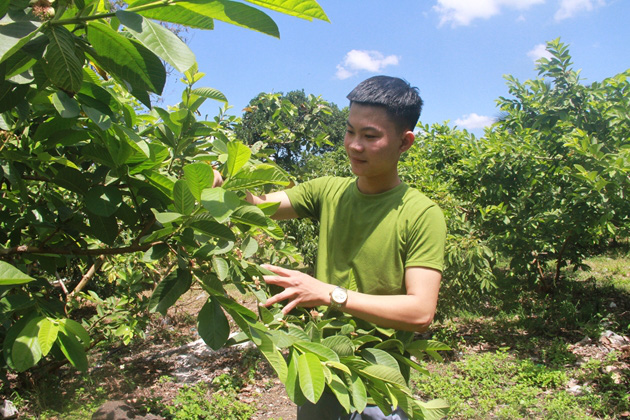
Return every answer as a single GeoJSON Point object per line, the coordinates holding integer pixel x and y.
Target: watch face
{"type": "Point", "coordinates": [339, 295]}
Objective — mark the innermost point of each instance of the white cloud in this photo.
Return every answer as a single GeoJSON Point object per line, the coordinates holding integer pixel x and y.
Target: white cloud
{"type": "Point", "coordinates": [539, 52]}
{"type": "Point", "coordinates": [474, 121]}
{"type": "Point", "coordinates": [361, 60]}
{"type": "Point", "coordinates": [462, 12]}
{"type": "Point", "coordinates": [569, 8]}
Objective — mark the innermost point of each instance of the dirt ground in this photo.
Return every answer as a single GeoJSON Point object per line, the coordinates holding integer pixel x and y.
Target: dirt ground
{"type": "Point", "coordinates": [158, 371]}
{"type": "Point", "coordinates": [160, 367]}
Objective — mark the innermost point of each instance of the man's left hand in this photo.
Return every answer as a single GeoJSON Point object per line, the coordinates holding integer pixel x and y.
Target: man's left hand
{"type": "Point", "coordinates": [299, 289]}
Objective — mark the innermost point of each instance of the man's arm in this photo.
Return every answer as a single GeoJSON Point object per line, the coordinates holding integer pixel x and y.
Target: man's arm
{"type": "Point", "coordinates": [285, 210]}
{"type": "Point", "coordinates": [411, 312]}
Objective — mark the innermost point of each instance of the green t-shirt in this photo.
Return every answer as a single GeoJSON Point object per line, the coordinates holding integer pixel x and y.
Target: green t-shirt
{"type": "Point", "coordinates": [367, 240]}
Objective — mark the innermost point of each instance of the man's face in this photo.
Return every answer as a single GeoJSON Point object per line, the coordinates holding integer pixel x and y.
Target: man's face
{"type": "Point", "coordinates": [373, 142]}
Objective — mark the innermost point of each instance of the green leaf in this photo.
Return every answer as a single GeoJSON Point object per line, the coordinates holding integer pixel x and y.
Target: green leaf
{"type": "Point", "coordinates": [169, 290]}
{"type": "Point", "coordinates": [273, 356]}
{"type": "Point", "coordinates": [160, 234]}
{"type": "Point", "coordinates": [209, 93]}
{"type": "Point", "coordinates": [269, 209]}
{"type": "Point", "coordinates": [212, 325]}
{"type": "Point", "coordinates": [238, 155]}
{"type": "Point", "coordinates": [311, 376]}
{"type": "Point", "coordinates": [379, 357]}
{"type": "Point", "coordinates": [214, 229]}
{"type": "Point", "coordinates": [183, 199]}
{"type": "Point", "coordinates": [234, 307]}
{"type": "Point", "coordinates": [103, 201]}
{"type": "Point", "coordinates": [66, 106]}
{"type": "Point", "coordinates": [358, 392]}
{"type": "Point", "coordinates": [221, 267]}
{"type": "Point", "coordinates": [156, 252]}
{"type": "Point", "coordinates": [47, 335]}
{"type": "Point", "coordinates": [340, 390]}
{"type": "Point", "coordinates": [292, 385]}
{"type": "Point", "coordinates": [198, 176]}
{"type": "Point", "coordinates": [26, 351]}
{"type": "Point", "coordinates": [73, 328]}
{"type": "Point", "coordinates": [102, 120]}
{"type": "Point", "coordinates": [73, 350]}
{"type": "Point", "coordinates": [384, 373]}
{"type": "Point", "coordinates": [407, 361]}
{"type": "Point", "coordinates": [219, 203]}
{"type": "Point", "coordinates": [434, 409]}
{"type": "Point", "coordinates": [175, 13]}
{"type": "Point", "coordinates": [338, 365]}
{"type": "Point", "coordinates": [14, 35]}
{"type": "Point", "coordinates": [321, 351]}
{"type": "Point", "coordinates": [11, 95]}
{"type": "Point", "coordinates": [128, 61]}
{"type": "Point", "coordinates": [128, 134]}
{"type": "Point", "coordinates": [402, 400]}
{"type": "Point", "coordinates": [259, 175]}
{"type": "Point", "coordinates": [340, 344]}
{"type": "Point", "coordinates": [391, 344]}
{"type": "Point", "coordinates": [10, 275]}
{"type": "Point", "coordinates": [63, 67]}
{"type": "Point", "coordinates": [95, 96]}
{"type": "Point", "coordinates": [162, 42]}
{"type": "Point", "coordinates": [379, 392]}
{"type": "Point", "coordinates": [166, 217]}
{"type": "Point", "coordinates": [163, 183]}
{"type": "Point", "coordinates": [72, 180]}
{"type": "Point", "coordinates": [103, 228]}
{"type": "Point", "coordinates": [267, 318]}
{"type": "Point", "coordinates": [249, 247]}
{"type": "Point", "coordinates": [234, 13]}
{"type": "Point", "coordinates": [12, 303]}
{"type": "Point", "coordinates": [430, 347]}
{"type": "Point", "coordinates": [305, 9]}
{"type": "Point", "coordinates": [295, 331]}
{"type": "Point", "coordinates": [250, 215]}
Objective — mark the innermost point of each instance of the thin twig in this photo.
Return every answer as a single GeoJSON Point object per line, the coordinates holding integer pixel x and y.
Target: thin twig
{"type": "Point", "coordinates": [88, 276]}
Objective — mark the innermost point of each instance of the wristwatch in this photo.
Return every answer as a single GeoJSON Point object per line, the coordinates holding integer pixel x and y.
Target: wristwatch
{"type": "Point", "coordinates": [338, 298]}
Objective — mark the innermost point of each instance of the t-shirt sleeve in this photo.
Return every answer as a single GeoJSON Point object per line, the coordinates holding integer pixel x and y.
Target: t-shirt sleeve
{"type": "Point", "coordinates": [427, 240]}
{"type": "Point", "coordinates": [306, 197]}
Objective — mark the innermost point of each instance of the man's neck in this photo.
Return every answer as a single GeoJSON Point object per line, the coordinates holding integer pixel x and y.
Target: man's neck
{"type": "Point", "coordinates": [376, 186]}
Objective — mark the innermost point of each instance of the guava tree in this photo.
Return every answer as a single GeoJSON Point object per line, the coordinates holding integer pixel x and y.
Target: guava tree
{"type": "Point", "coordinates": [549, 181]}
{"type": "Point", "coordinates": [102, 195]}
{"type": "Point", "coordinates": [295, 125]}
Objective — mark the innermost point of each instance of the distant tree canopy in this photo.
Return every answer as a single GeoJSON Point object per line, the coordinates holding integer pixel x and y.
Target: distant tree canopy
{"type": "Point", "coordinates": [294, 125]}
{"type": "Point", "coordinates": [550, 180]}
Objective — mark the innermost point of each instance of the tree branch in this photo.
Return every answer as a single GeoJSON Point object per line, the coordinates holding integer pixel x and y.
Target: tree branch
{"type": "Point", "coordinates": [26, 249]}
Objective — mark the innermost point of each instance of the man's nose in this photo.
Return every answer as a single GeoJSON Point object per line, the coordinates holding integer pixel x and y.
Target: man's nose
{"type": "Point", "coordinates": [355, 144]}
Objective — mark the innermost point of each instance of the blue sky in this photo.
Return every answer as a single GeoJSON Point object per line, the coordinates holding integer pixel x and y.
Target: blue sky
{"type": "Point", "coordinates": [455, 51]}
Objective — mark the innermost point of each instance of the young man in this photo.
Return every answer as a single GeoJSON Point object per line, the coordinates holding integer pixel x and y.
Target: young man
{"type": "Point", "coordinates": [381, 243]}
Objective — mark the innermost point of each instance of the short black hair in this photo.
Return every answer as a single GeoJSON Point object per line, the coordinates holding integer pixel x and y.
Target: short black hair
{"type": "Point", "coordinates": [401, 101]}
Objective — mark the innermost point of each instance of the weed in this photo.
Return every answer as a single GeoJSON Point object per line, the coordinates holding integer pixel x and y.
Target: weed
{"type": "Point", "coordinates": [558, 354]}
{"type": "Point", "coordinates": [446, 332]}
{"type": "Point", "coordinates": [498, 385]}
{"type": "Point", "coordinates": [608, 384]}
{"type": "Point", "coordinates": [227, 382]}
{"type": "Point", "coordinates": [194, 402]}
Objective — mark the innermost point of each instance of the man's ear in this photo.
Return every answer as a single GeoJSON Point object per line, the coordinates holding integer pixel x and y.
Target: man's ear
{"type": "Point", "coordinates": [407, 141]}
